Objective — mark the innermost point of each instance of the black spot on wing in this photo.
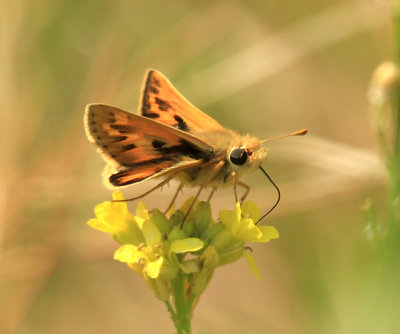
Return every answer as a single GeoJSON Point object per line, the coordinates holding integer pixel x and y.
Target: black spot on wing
{"type": "Point", "coordinates": [157, 144]}
{"type": "Point", "coordinates": [151, 162]}
{"type": "Point", "coordinates": [117, 139]}
{"type": "Point", "coordinates": [192, 151]}
{"type": "Point", "coordinates": [150, 85]}
{"type": "Point", "coordinates": [121, 128]}
{"type": "Point", "coordinates": [117, 179]}
{"type": "Point", "coordinates": [156, 81]}
{"type": "Point", "coordinates": [129, 147]}
{"type": "Point", "coordinates": [181, 125]}
{"type": "Point", "coordinates": [145, 108]}
{"type": "Point", "coordinates": [151, 115]}
{"type": "Point", "coordinates": [162, 104]}
{"type": "Point", "coordinates": [154, 90]}
{"type": "Point", "coordinates": [184, 148]}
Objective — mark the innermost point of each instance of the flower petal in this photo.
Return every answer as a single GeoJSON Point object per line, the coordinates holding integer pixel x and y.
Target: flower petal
{"type": "Point", "coordinates": [102, 225]}
{"type": "Point", "coordinates": [248, 231]}
{"type": "Point", "coordinates": [142, 212]}
{"type": "Point", "coordinates": [268, 233]}
{"type": "Point", "coordinates": [252, 264]}
{"type": "Point", "coordinates": [113, 213]}
{"type": "Point", "coordinates": [186, 245]}
{"type": "Point", "coordinates": [138, 268]}
{"type": "Point", "coordinates": [118, 196]}
{"type": "Point", "coordinates": [119, 208]}
{"type": "Point", "coordinates": [128, 253]}
{"type": "Point", "coordinates": [229, 219]}
{"type": "Point", "coordinates": [153, 267]}
{"type": "Point", "coordinates": [250, 210]}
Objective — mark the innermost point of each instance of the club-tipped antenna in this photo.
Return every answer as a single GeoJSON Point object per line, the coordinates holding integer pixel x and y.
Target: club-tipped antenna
{"type": "Point", "coordinates": [277, 200]}
{"type": "Point", "coordinates": [301, 132]}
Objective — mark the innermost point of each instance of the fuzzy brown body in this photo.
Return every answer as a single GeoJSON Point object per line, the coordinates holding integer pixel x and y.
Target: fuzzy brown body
{"type": "Point", "coordinates": [223, 141]}
{"type": "Point", "coordinates": [170, 139]}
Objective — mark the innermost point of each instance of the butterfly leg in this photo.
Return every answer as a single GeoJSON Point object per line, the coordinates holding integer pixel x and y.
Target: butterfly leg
{"type": "Point", "coordinates": [174, 198]}
{"type": "Point", "coordinates": [244, 185]}
{"type": "Point", "coordinates": [191, 206]}
{"type": "Point", "coordinates": [215, 171]}
{"type": "Point", "coordinates": [235, 186]}
{"type": "Point", "coordinates": [211, 194]}
{"type": "Point", "coordinates": [147, 192]}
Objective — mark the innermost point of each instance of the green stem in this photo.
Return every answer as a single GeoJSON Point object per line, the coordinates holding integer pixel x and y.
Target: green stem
{"type": "Point", "coordinates": [171, 310]}
{"type": "Point", "coordinates": [394, 197]}
{"type": "Point", "coordinates": [182, 307]}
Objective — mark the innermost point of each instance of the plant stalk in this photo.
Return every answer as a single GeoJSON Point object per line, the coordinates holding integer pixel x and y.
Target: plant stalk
{"type": "Point", "coordinates": [183, 314]}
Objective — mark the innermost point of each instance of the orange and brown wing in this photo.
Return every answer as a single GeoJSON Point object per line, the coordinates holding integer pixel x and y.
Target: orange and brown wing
{"type": "Point", "coordinates": [163, 103]}
{"type": "Point", "coordinates": [138, 147]}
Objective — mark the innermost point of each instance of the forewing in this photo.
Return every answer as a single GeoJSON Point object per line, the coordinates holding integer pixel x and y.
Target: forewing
{"type": "Point", "coordinates": [163, 103]}
{"type": "Point", "coordinates": [138, 147]}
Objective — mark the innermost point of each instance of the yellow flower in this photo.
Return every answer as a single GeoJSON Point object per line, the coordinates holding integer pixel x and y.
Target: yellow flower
{"type": "Point", "coordinates": [114, 218]}
{"type": "Point", "coordinates": [156, 246]}
{"type": "Point", "coordinates": [155, 255]}
{"type": "Point", "coordinates": [241, 223]}
{"type": "Point", "coordinates": [145, 257]}
{"type": "Point", "coordinates": [240, 227]}
{"type": "Point", "coordinates": [110, 216]}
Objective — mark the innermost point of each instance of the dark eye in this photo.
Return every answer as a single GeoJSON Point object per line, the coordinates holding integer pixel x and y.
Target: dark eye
{"type": "Point", "coordinates": [238, 156]}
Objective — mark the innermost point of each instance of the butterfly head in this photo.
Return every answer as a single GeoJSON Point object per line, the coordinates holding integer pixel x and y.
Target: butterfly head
{"type": "Point", "coordinates": [247, 155]}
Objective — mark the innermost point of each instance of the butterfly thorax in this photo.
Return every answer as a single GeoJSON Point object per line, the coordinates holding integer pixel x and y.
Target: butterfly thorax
{"type": "Point", "coordinates": [223, 142]}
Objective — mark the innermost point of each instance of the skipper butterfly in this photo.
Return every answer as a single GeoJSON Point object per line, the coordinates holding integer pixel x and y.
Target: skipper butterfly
{"type": "Point", "coordinates": [172, 139]}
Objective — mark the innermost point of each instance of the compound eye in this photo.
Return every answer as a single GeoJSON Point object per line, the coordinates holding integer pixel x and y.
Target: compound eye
{"type": "Point", "coordinates": [238, 156]}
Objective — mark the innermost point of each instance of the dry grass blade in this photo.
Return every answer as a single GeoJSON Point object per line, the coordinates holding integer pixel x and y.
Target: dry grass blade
{"type": "Point", "coordinates": [281, 49]}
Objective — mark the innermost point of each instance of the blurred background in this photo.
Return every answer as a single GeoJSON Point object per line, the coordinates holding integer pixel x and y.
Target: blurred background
{"type": "Point", "coordinates": [264, 67]}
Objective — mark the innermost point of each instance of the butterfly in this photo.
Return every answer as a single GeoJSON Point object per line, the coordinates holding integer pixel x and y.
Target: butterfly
{"type": "Point", "coordinates": [172, 139]}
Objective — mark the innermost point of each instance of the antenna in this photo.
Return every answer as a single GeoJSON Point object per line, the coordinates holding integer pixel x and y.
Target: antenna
{"type": "Point", "coordinates": [301, 132]}
{"type": "Point", "coordinates": [296, 133]}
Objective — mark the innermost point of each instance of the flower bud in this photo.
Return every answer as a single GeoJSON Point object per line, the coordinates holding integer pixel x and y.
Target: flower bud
{"type": "Point", "coordinates": [383, 95]}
